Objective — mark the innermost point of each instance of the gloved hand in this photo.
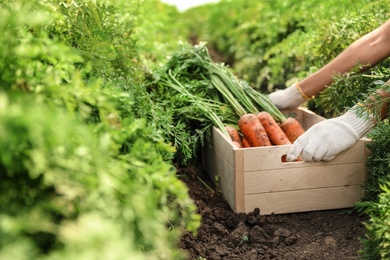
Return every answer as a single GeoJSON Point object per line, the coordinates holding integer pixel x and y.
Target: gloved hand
{"type": "Point", "coordinates": [326, 139]}
{"type": "Point", "coordinates": [288, 98]}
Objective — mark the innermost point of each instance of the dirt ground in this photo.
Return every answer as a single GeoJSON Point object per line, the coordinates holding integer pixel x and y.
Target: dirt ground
{"type": "Point", "coordinates": [223, 234]}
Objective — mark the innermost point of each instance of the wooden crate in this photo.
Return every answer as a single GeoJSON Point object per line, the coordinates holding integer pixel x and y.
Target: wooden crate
{"type": "Point", "coordinates": [256, 177]}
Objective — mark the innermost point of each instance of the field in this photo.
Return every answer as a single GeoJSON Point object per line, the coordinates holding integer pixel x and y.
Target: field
{"type": "Point", "coordinates": [106, 106]}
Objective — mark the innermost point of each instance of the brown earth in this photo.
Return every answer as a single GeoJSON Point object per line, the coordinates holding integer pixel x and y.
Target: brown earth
{"type": "Point", "coordinates": [223, 234]}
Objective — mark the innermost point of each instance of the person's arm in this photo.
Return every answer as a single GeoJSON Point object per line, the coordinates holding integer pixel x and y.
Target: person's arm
{"type": "Point", "coordinates": [367, 51]}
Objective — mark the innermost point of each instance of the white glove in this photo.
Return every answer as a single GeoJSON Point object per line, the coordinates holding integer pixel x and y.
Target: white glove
{"type": "Point", "coordinates": [326, 139]}
{"type": "Point", "coordinates": [288, 98]}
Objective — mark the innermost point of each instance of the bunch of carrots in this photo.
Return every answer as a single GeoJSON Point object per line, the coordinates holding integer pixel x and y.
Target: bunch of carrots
{"type": "Point", "coordinates": [261, 129]}
{"type": "Point", "coordinates": [260, 122]}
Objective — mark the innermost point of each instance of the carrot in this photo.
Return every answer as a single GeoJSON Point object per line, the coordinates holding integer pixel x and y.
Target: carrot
{"type": "Point", "coordinates": [292, 128]}
{"type": "Point", "coordinates": [234, 135]}
{"type": "Point", "coordinates": [273, 130]}
{"type": "Point", "coordinates": [253, 130]}
{"type": "Point", "coordinates": [245, 143]}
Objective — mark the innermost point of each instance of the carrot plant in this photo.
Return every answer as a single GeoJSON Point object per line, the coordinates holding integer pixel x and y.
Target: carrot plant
{"type": "Point", "coordinates": [82, 169]}
{"type": "Point", "coordinates": [215, 95]}
{"type": "Point", "coordinates": [376, 243]}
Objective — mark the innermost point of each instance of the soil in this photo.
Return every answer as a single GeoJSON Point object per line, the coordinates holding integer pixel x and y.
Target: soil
{"type": "Point", "coordinates": [223, 234]}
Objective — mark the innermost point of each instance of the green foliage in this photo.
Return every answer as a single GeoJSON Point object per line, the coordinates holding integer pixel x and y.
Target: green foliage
{"type": "Point", "coordinates": [83, 167]}
{"type": "Point", "coordinates": [100, 31]}
{"type": "Point", "coordinates": [377, 240]}
{"type": "Point", "coordinates": [31, 59]}
{"type": "Point", "coordinates": [318, 39]}
{"type": "Point", "coordinates": [349, 88]}
{"type": "Point", "coordinates": [376, 201]}
{"type": "Point", "coordinates": [184, 85]}
{"type": "Point", "coordinates": [58, 174]}
{"type": "Point", "coordinates": [159, 34]}
{"type": "Point", "coordinates": [244, 240]}
{"type": "Point", "coordinates": [378, 162]}
{"type": "Point", "coordinates": [273, 43]}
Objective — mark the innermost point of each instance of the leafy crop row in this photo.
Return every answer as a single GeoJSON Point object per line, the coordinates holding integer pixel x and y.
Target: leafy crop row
{"type": "Point", "coordinates": [271, 44]}
{"type": "Point", "coordinates": [85, 172]}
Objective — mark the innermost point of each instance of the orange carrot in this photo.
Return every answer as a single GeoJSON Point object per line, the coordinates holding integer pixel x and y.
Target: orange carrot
{"type": "Point", "coordinates": [253, 130]}
{"type": "Point", "coordinates": [234, 135]}
{"type": "Point", "coordinates": [273, 130]}
{"type": "Point", "coordinates": [292, 128]}
{"type": "Point", "coordinates": [245, 143]}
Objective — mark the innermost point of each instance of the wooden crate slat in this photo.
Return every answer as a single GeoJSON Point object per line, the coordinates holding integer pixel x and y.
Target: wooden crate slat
{"type": "Point", "coordinates": [304, 178]}
{"type": "Point", "coordinates": [223, 145]}
{"type": "Point", "coordinates": [304, 200]}
{"type": "Point", "coordinates": [228, 192]}
{"type": "Point", "coordinates": [239, 177]}
{"type": "Point", "coordinates": [225, 170]}
{"type": "Point", "coordinates": [310, 119]}
{"type": "Point", "coordinates": [267, 158]}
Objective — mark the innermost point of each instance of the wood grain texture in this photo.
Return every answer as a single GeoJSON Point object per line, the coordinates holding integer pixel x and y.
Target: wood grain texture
{"type": "Point", "coordinates": [304, 200]}
{"type": "Point", "coordinates": [268, 158]}
{"type": "Point", "coordinates": [239, 180]}
{"type": "Point", "coordinates": [257, 178]}
{"type": "Point", "coordinates": [304, 178]}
